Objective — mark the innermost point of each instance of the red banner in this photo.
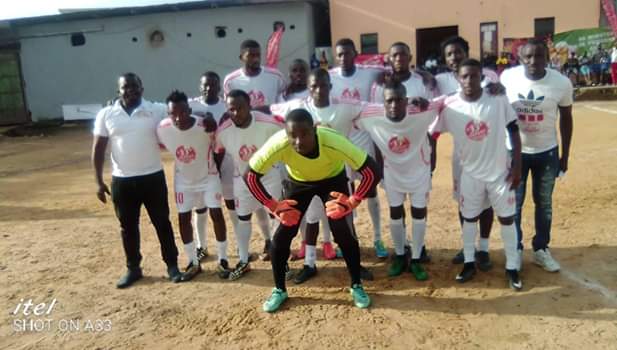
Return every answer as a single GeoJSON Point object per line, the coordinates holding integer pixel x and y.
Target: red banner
{"type": "Point", "coordinates": [371, 59]}
{"type": "Point", "coordinates": [609, 10]}
{"type": "Point", "coordinates": [274, 46]}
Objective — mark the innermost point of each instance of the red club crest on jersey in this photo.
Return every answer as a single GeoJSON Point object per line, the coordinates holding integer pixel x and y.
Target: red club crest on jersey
{"type": "Point", "coordinates": [185, 155]}
{"type": "Point", "coordinates": [476, 131]}
{"type": "Point", "coordinates": [398, 144]}
{"type": "Point", "coordinates": [257, 98]}
{"type": "Point", "coordinates": [351, 94]}
{"type": "Point", "coordinates": [246, 152]}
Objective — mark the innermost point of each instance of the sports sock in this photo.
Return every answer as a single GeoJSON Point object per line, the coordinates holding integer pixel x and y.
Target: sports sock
{"type": "Point", "coordinates": [508, 235]}
{"type": "Point", "coordinates": [311, 255]}
{"type": "Point", "coordinates": [483, 244]}
{"type": "Point", "coordinates": [469, 237]}
{"type": "Point", "coordinates": [373, 210]}
{"type": "Point", "coordinates": [221, 250]}
{"type": "Point", "coordinates": [418, 231]}
{"type": "Point", "coordinates": [233, 216]}
{"type": "Point", "coordinates": [398, 235]}
{"type": "Point", "coordinates": [243, 237]}
{"type": "Point", "coordinates": [191, 252]}
{"type": "Point", "coordinates": [325, 229]}
{"type": "Point", "coordinates": [263, 220]}
{"type": "Point", "coordinates": [201, 221]}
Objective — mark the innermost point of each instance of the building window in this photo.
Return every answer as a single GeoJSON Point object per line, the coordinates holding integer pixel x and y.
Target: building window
{"type": "Point", "coordinates": [544, 27]}
{"type": "Point", "coordinates": [368, 43]}
{"type": "Point", "coordinates": [78, 39]}
{"type": "Point", "coordinates": [488, 40]}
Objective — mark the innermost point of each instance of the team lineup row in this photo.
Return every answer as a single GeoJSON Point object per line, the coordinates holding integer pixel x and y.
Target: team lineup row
{"type": "Point", "coordinates": [294, 151]}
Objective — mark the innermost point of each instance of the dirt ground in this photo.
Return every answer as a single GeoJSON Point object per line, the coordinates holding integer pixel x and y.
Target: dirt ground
{"type": "Point", "coordinates": [58, 242]}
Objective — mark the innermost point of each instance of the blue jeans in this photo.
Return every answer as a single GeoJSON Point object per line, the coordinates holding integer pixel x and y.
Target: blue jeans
{"type": "Point", "coordinates": [544, 169]}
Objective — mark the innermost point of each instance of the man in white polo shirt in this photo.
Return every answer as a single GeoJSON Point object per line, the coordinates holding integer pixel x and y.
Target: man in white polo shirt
{"type": "Point", "coordinates": [137, 173]}
{"type": "Point", "coordinates": [537, 93]}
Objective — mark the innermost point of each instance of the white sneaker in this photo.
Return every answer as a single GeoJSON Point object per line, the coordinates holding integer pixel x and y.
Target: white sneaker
{"type": "Point", "coordinates": [543, 258]}
{"type": "Point", "coordinates": [519, 262]}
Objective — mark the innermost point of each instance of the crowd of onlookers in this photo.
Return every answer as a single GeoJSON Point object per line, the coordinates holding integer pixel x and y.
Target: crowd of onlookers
{"type": "Point", "coordinates": [588, 69]}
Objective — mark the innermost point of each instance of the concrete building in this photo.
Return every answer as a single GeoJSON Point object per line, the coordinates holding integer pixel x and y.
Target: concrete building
{"type": "Point", "coordinates": [484, 23]}
{"type": "Point", "coordinates": [74, 58]}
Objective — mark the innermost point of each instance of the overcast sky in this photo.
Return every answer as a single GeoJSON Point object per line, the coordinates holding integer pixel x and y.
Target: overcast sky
{"type": "Point", "coordinates": [31, 8]}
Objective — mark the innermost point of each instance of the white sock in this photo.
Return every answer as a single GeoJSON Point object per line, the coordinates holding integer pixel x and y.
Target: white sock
{"type": "Point", "coordinates": [201, 222]}
{"type": "Point", "coordinates": [191, 252]}
{"type": "Point", "coordinates": [311, 255]}
{"type": "Point", "coordinates": [263, 220]}
{"type": "Point", "coordinates": [470, 229]}
{"type": "Point", "coordinates": [508, 235]}
{"type": "Point", "coordinates": [243, 237]}
{"type": "Point", "coordinates": [325, 228]}
{"type": "Point", "coordinates": [221, 250]}
{"type": "Point", "coordinates": [374, 212]}
{"type": "Point", "coordinates": [418, 231]}
{"type": "Point", "coordinates": [303, 228]}
{"type": "Point", "coordinates": [398, 235]}
{"type": "Point", "coordinates": [483, 244]}
{"type": "Point", "coordinates": [233, 216]}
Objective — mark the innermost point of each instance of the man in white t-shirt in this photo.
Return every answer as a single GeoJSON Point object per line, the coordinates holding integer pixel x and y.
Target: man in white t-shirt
{"type": "Point", "coordinates": [211, 102]}
{"type": "Point", "coordinates": [478, 124]}
{"type": "Point", "coordinates": [262, 84]}
{"type": "Point", "coordinates": [196, 180]}
{"type": "Point", "coordinates": [400, 130]}
{"type": "Point", "coordinates": [352, 82]}
{"type": "Point", "coordinates": [455, 49]}
{"type": "Point", "coordinates": [242, 135]}
{"type": "Point", "coordinates": [296, 89]}
{"type": "Point", "coordinates": [338, 115]}
{"type": "Point", "coordinates": [537, 93]}
{"type": "Point", "coordinates": [129, 125]}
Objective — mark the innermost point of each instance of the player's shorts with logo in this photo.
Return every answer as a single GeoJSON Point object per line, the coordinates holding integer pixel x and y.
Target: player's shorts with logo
{"type": "Point", "coordinates": [246, 203]}
{"type": "Point", "coordinates": [457, 170]}
{"type": "Point", "coordinates": [208, 196]}
{"type": "Point", "coordinates": [474, 193]}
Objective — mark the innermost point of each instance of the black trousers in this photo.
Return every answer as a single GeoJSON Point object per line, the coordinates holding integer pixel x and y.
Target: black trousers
{"type": "Point", "coordinates": [128, 194]}
{"type": "Point", "coordinates": [342, 229]}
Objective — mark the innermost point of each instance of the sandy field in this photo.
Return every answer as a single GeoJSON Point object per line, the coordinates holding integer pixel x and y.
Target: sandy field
{"type": "Point", "coordinates": [59, 243]}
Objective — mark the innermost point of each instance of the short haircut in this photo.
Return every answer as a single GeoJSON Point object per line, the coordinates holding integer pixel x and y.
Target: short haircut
{"type": "Point", "coordinates": [346, 42]}
{"type": "Point", "coordinates": [400, 43]}
{"type": "Point", "coordinates": [536, 42]}
{"type": "Point", "coordinates": [397, 87]}
{"type": "Point", "coordinates": [249, 44]}
{"type": "Point", "coordinates": [299, 115]}
{"type": "Point", "coordinates": [320, 73]}
{"type": "Point", "coordinates": [470, 62]}
{"type": "Point", "coordinates": [455, 40]}
{"type": "Point", "coordinates": [131, 75]}
{"type": "Point", "coordinates": [299, 61]}
{"type": "Point", "coordinates": [239, 93]}
{"type": "Point", "coordinates": [211, 74]}
{"type": "Point", "coordinates": [177, 97]}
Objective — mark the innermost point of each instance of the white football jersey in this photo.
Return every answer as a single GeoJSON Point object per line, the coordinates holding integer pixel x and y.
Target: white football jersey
{"type": "Point", "coordinates": [414, 86]}
{"type": "Point", "coordinates": [404, 144]}
{"type": "Point", "coordinates": [536, 103]}
{"type": "Point", "coordinates": [263, 89]}
{"type": "Point", "coordinates": [191, 149]}
{"type": "Point", "coordinates": [199, 105]}
{"type": "Point", "coordinates": [447, 83]}
{"type": "Point", "coordinates": [479, 132]}
{"type": "Point", "coordinates": [282, 98]}
{"type": "Point", "coordinates": [241, 143]}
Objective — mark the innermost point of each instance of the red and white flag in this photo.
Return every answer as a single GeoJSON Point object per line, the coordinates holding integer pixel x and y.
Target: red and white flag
{"type": "Point", "coordinates": [274, 46]}
{"type": "Point", "coordinates": [609, 10]}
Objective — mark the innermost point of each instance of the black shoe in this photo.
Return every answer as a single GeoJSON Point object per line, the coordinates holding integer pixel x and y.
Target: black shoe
{"type": "Point", "coordinates": [469, 270]}
{"type": "Point", "coordinates": [223, 269]}
{"type": "Point", "coordinates": [366, 274]}
{"type": "Point", "coordinates": [130, 277]}
{"type": "Point", "coordinates": [514, 280]}
{"type": "Point", "coordinates": [191, 271]}
{"type": "Point", "coordinates": [459, 258]}
{"type": "Point", "coordinates": [202, 253]}
{"type": "Point", "coordinates": [305, 274]}
{"type": "Point", "coordinates": [265, 254]}
{"type": "Point", "coordinates": [174, 274]}
{"type": "Point", "coordinates": [484, 261]}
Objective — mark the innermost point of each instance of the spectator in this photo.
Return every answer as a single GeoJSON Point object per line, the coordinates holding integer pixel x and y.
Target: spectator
{"type": "Point", "coordinates": [605, 67]}
{"type": "Point", "coordinates": [596, 67]}
{"type": "Point", "coordinates": [571, 68]}
{"type": "Point", "coordinates": [585, 68]}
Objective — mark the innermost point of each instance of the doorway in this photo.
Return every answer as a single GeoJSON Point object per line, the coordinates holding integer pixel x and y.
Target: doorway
{"type": "Point", "coordinates": [428, 42]}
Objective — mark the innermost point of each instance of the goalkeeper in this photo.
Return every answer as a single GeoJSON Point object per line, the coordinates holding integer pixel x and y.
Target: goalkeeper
{"type": "Point", "coordinates": [315, 160]}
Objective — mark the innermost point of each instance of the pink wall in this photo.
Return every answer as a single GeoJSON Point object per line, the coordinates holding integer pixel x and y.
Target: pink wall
{"type": "Point", "coordinates": [397, 20]}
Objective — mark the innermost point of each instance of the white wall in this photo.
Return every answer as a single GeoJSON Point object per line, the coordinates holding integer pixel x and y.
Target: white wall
{"type": "Point", "coordinates": [56, 73]}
